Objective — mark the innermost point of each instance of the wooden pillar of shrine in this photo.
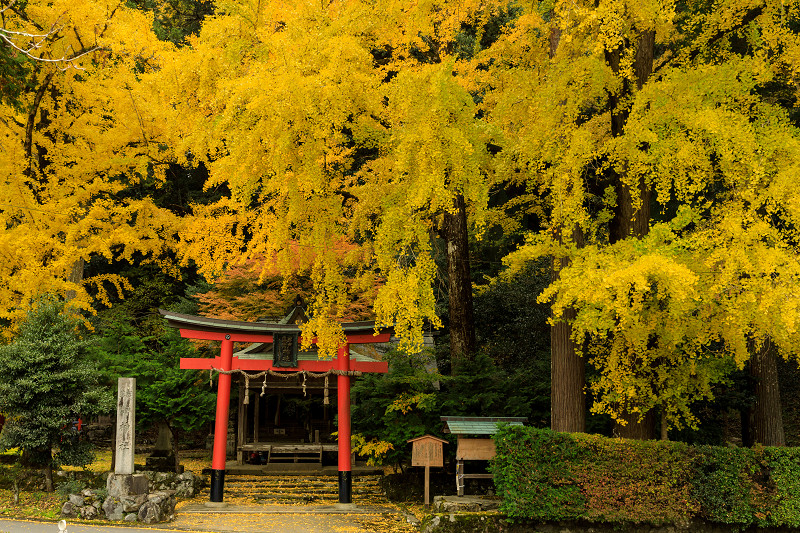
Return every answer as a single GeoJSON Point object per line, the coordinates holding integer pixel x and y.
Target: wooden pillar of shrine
{"type": "Point", "coordinates": [343, 397]}
{"type": "Point", "coordinates": [221, 422]}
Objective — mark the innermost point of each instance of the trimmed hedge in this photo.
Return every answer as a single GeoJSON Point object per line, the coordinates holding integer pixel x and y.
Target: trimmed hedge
{"type": "Point", "coordinates": [544, 475]}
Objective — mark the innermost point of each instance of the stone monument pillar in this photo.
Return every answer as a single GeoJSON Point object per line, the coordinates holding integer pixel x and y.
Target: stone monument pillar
{"type": "Point", "coordinates": [123, 482]}
{"type": "Point", "coordinates": [126, 425]}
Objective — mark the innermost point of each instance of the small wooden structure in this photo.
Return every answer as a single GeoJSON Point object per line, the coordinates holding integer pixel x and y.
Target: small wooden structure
{"type": "Point", "coordinates": [427, 451]}
{"type": "Point", "coordinates": [472, 448]}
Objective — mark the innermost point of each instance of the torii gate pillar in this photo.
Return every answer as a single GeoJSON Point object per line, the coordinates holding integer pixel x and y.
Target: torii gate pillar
{"type": "Point", "coordinates": [345, 453]}
{"type": "Point", "coordinates": [221, 422]}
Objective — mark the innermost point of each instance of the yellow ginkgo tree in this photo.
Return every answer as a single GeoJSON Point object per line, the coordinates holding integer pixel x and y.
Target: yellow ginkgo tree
{"type": "Point", "coordinates": [75, 146]}
{"type": "Point", "coordinates": [623, 118]}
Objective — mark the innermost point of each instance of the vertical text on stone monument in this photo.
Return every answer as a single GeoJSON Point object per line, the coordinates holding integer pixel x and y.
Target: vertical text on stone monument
{"type": "Point", "coordinates": [126, 420]}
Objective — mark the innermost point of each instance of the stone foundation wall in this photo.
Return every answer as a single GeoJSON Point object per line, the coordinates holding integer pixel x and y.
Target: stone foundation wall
{"type": "Point", "coordinates": [493, 523]}
{"type": "Point", "coordinates": [185, 485]}
{"type": "Point", "coordinates": [155, 505]}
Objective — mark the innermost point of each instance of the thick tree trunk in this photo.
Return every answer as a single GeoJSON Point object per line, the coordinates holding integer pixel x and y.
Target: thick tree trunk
{"type": "Point", "coordinates": [567, 369]}
{"type": "Point", "coordinates": [567, 380]}
{"type": "Point", "coordinates": [462, 323]}
{"type": "Point", "coordinates": [644, 429]}
{"type": "Point", "coordinates": [766, 423]}
{"type": "Point", "coordinates": [631, 218]}
{"type": "Point", "coordinates": [75, 276]}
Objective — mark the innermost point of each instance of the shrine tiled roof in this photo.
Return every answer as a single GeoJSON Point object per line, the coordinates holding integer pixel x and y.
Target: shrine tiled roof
{"type": "Point", "coordinates": [478, 425]}
{"type": "Point", "coordinates": [201, 323]}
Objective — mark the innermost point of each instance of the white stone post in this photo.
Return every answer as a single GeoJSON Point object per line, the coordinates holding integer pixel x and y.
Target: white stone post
{"type": "Point", "coordinates": [126, 425]}
{"type": "Point", "coordinates": [123, 482]}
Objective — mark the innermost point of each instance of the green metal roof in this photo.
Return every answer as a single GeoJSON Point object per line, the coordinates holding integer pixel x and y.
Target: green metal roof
{"type": "Point", "coordinates": [478, 425]}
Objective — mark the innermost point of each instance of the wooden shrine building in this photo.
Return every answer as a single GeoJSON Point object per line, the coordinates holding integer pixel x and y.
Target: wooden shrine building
{"type": "Point", "coordinates": [273, 361]}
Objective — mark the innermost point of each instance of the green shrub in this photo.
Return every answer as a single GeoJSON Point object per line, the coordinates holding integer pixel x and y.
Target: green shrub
{"type": "Point", "coordinates": [533, 474]}
{"type": "Point", "coordinates": [722, 483]}
{"type": "Point", "coordinates": [543, 475]}
{"type": "Point", "coordinates": [784, 468]}
{"type": "Point", "coordinates": [634, 481]}
{"type": "Point", "coordinates": [73, 486]}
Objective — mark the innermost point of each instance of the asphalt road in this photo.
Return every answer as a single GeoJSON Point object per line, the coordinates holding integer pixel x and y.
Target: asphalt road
{"type": "Point", "coordinates": [232, 523]}
{"type": "Point", "coordinates": [26, 526]}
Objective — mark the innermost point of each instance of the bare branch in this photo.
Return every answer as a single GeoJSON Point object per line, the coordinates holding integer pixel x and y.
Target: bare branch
{"type": "Point", "coordinates": [28, 43]}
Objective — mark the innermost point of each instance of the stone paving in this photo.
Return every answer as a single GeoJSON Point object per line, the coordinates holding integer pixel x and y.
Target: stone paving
{"type": "Point", "coordinates": [246, 519]}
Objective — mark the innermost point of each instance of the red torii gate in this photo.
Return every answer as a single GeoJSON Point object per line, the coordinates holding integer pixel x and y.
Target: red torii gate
{"type": "Point", "coordinates": [230, 331]}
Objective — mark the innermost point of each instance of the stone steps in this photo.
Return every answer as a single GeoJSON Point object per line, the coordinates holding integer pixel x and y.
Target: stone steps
{"type": "Point", "coordinates": [301, 489]}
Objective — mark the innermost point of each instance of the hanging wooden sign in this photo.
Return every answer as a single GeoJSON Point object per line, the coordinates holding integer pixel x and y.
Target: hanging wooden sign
{"type": "Point", "coordinates": [285, 350]}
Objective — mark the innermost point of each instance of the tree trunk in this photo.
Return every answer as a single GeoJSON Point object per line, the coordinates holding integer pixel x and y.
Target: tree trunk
{"type": "Point", "coordinates": [630, 219]}
{"type": "Point", "coordinates": [76, 277]}
{"type": "Point", "coordinates": [175, 447]}
{"type": "Point", "coordinates": [644, 429]}
{"type": "Point", "coordinates": [567, 379]}
{"type": "Point", "coordinates": [567, 369]}
{"type": "Point", "coordinates": [462, 323]}
{"type": "Point", "coordinates": [766, 421]}
{"type": "Point", "coordinates": [48, 471]}
{"type": "Point", "coordinates": [48, 478]}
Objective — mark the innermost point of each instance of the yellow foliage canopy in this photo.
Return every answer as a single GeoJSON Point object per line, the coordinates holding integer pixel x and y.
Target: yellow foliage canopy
{"type": "Point", "coordinates": [71, 152]}
{"type": "Point", "coordinates": [665, 316]}
{"type": "Point", "coordinates": [321, 142]}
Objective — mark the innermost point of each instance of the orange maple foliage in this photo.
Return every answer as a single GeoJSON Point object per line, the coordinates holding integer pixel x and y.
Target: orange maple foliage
{"type": "Point", "coordinates": [256, 290]}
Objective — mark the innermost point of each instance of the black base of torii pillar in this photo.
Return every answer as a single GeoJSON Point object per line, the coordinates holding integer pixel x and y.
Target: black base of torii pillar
{"type": "Point", "coordinates": [228, 332]}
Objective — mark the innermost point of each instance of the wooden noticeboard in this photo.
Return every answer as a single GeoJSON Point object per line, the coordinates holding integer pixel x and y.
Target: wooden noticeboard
{"type": "Point", "coordinates": [427, 451]}
{"type": "Point", "coordinates": [475, 449]}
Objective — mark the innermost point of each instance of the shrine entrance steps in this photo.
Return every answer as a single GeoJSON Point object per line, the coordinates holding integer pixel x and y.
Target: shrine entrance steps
{"type": "Point", "coordinates": [300, 489]}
